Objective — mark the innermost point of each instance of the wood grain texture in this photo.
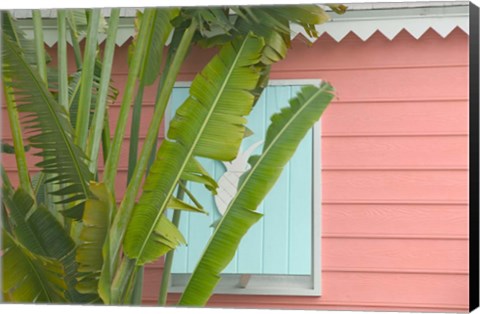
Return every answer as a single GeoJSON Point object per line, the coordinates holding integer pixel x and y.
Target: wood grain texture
{"type": "Point", "coordinates": [395, 117]}
{"type": "Point", "coordinates": [395, 221]}
{"type": "Point", "coordinates": [391, 290]}
{"type": "Point", "coordinates": [390, 185]}
{"type": "Point", "coordinates": [395, 255]}
{"type": "Point", "coordinates": [403, 152]}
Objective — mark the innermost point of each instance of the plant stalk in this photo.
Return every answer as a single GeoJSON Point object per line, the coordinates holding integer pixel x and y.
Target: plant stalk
{"type": "Point", "coordinates": [77, 52]}
{"type": "Point", "coordinates": [135, 129]}
{"type": "Point", "coordinates": [16, 130]}
{"type": "Point", "coordinates": [171, 52]}
{"type": "Point", "coordinates": [6, 184]}
{"type": "Point", "coordinates": [86, 81]}
{"type": "Point", "coordinates": [121, 220]}
{"type": "Point", "coordinates": [123, 215]}
{"type": "Point", "coordinates": [134, 137]}
{"type": "Point", "coordinates": [121, 288]}
{"type": "Point", "coordinates": [114, 152]}
{"type": "Point", "coordinates": [6, 188]}
{"type": "Point", "coordinates": [62, 76]}
{"type": "Point", "coordinates": [62, 59]}
{"type": "Point", "coordinates": [112, 242]}
{"type": "Point", "coordinates": [129, 290]}
{"type": "Point", "coordinates": [167, 267]}
{"type": "Point", "coordinates": [106, 138]}
{"type": "Point", "coordinates": [93, 144]}
{"type": "Point", "coordinates": [132, 161]}
{"type": "Point", "coordinates": [39, 44]}
{"type": "Point", "coordinates": [138, 287]}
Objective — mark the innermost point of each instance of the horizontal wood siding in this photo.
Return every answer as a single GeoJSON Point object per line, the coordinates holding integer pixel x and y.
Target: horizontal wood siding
{"type": "Point", "coordinates": [395, 172]}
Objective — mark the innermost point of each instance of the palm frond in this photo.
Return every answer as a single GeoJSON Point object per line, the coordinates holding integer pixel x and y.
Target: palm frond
{"type": "Point", "coordinates": [284, 134]}
{"type": "Point", "coordinates": [10, 27]}
{"type": "Point", "coordinates": [52, 132]}
{"type": "Point", "coordinates": [74, 88]}
{"type": "Point", "coordinates": [29, 277]}
{"type": "Point", "coordinates": [39, 232]}
{"type": "Point", "coordinates": [157, 37]}
{"type": "Point", "coordinates": [195, 172]}
{"type": "Point", "coordinates": [207, 18]}
{"type": "Point", "coordinates": [96, 221]}
{"type": "Point", "coordinates": [274, 24]}
{"type": "Point", "coordinates": [210, 123]}
{"type": "Point", "coordinates": [78, 22]}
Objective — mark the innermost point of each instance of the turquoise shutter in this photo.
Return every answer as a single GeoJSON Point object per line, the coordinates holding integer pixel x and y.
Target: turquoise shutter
{"type": "Point", "coordinates": [281, 242]}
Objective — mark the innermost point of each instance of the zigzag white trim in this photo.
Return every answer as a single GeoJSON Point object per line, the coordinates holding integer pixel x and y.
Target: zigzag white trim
{"type": "Point", "coordinates": [363, 22]}
{"type": "Point", "coordinates": [391, 22]}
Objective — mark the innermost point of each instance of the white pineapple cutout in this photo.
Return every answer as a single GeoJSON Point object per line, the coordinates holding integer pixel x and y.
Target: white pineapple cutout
{"type": "Point", "coordinates": [228, 183]}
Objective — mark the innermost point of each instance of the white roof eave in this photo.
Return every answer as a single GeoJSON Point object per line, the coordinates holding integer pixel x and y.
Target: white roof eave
{"type": "Point", "coordinates": [362, 22]}
{"type": "Point", "coordinates": [390, 22]}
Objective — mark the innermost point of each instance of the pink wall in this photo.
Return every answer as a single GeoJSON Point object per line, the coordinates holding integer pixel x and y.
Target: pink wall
{"type": "Point", "coordinates": [395, 176]}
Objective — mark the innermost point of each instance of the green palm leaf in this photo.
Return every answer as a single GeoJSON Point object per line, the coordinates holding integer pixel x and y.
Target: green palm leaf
{"type": "Point", "coordinates": [210, 123]}
{"type": "Point", "coordinates": [74, 89]}
{"type": "Point", "coordinates": [276, 42]}
{"type": "Point", "coordinates": [96, 221]}
{"type": "Point", "coordinates": [78, 22]}
{"type": "Point", "coordinates": [29, 277]}
{"type": "Point", "coordinates": [39, 232]}
{"type": "Point", "coordinates": [195, 172]}
{"type": "Point", "coordinates": [207, 18]}
{"type": "Point", "coordinates": [286, 131]}
{"type": "Point", "coordinates": [10, 27]}
{"type": "Point", "coordinates": [157, 36]}
{"type": "Point", "coordinates": [279, 17]}
{"type": "Point", "coordinates": [273, 23]}
{"type": "Point", "coordinates": [52, 132]}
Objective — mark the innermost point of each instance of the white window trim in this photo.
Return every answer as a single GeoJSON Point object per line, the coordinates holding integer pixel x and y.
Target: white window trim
{"type": "Point", "coordinates": [291, 285]}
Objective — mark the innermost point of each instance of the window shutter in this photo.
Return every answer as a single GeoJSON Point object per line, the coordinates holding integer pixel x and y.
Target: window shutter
{"type": "Point", "coordinates": [281, 242]}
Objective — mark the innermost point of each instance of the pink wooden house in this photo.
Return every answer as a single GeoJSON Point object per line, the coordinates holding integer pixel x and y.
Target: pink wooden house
{"type": "Point", "coordinates": [388, 211]}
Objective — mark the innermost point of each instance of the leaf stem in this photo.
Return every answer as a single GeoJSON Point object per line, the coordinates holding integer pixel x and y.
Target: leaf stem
{"type": "Point", "coordinates": [39, 44]}
{"type": "Point", "coordinates": [62, 59]}
{"type": "Point", "coordinates": [135, 128]}
{"type": "Point", "coordinates": [138, 287]}
{"type": "Point", "coordinates": [113, 241]}
{"type": "Point", "coordinates": [93, 144]}
{"type": "Point", "coordinates": [6, 184]}
{"type": "Point", "coordinates": [106, 138]}
{"type": "Point", "coordinates": [114, 152]}
{"type": "Point", "coordinates": [132, 161]}
{"type": "Point", "coordinates": [14, 121]}
{"type": "Point", "coordinates": [132, 190]}
{"type": "Point", "coordinates": [76, 49]}
{"type": "Point", "coordinates": [120, 284]}
{"type": "Point", "coordinates": [123, 215]}
{"type": "Point", "coordinates": [167, 267]}
{"type": "Point", "coordinates": [86, 81]}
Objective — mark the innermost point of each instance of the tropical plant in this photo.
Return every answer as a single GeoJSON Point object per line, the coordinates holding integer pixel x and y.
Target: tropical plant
{"type": "Point", "coordinates": [65, 238]}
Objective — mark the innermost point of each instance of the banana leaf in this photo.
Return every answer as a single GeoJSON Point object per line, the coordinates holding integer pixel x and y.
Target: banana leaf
{"type": "Point", "coordinates": [49, 123]}
{"type": "Point", "coordinates": [10, 27]}
{"type": "Point", "coordinates": [96, 221]}
{"type": "Point", "coordinates": [29, 277]}
{"type": "Point", "coordinates": [39, 231]}
{"type": "Point", "coordinates": [210, 123]}
{"type": "Point", "coordinates": [286, 131]}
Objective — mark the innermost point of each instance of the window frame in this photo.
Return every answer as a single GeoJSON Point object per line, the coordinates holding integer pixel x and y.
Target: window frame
{"type": "Point", "coordinates": [291, 285]}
